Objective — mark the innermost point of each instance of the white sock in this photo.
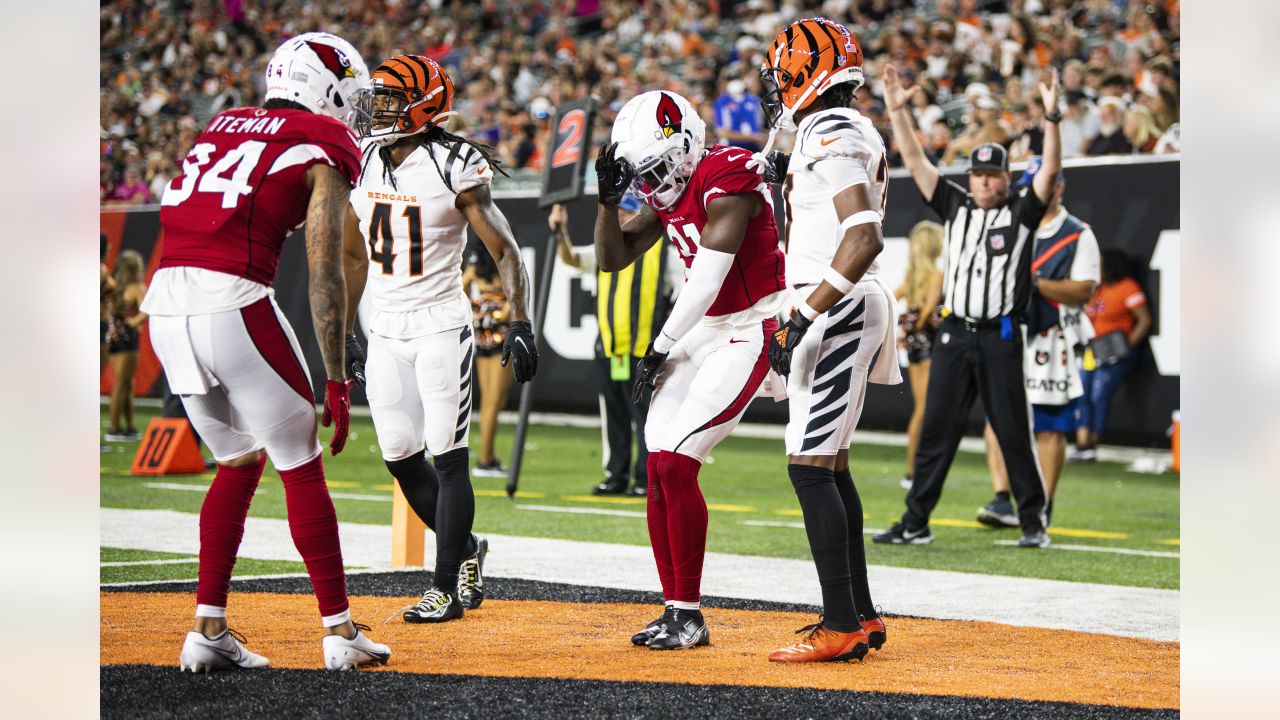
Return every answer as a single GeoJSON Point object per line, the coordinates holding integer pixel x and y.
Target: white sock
{"type": "Point", "coordinates": [210, 611]}
{"type": "Point", "coordinates": [335, 620]}
{"type": "Point", "coordinates": [685, 605]}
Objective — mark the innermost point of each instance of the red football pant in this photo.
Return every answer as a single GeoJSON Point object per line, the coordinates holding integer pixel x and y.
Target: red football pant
{"type": "Point", "coordinates": [314, 526]}
{"type": "Point", "coordinates": [656, 514]}
{"type": "Point", "coordinates": [221, 527]}
{"type": "Point", "coordinates": [677, 515]}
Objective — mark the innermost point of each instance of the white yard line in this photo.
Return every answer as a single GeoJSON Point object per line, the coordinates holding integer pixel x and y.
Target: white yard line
{"type": "Point", "coordinates": [582, 511]}
{"type": "Point", "coordinates": [131, 563]}
{"type": "Point", "coordinates": [1101, 549]}
{"type": "Point", "coordinates": [1113, 610]}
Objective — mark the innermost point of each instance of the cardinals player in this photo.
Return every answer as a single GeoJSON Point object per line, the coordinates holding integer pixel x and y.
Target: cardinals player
{"type": "Point", "coordinates": [405, 232]}
{"type": "Point", "coordinates": [710, 357]}
{"type": "Point", "coordinates": [252, 178]}
{"type": "Point", "coordinates": [840, 316]}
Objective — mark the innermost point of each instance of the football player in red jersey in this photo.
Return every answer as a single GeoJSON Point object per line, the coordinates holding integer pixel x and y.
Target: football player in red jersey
{"type": "Point", "coordinates": [711, 355]}
{"type": "Point", "coordinates": [253, 177]}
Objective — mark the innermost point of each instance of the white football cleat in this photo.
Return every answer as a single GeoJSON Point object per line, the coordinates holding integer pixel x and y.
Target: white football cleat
{"type": "Point", "coordinates": [223, 652]}
{"type": "Point", "coordinates": [343, 654]}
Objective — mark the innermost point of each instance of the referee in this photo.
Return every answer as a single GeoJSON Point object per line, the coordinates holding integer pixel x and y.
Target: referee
{"type": "Point", "coordinates": [990, 234]}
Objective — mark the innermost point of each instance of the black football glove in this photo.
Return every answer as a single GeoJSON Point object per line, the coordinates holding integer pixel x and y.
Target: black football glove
{"type": "Point", "coordinates": [775, 170]}
{"type": "Point", "coordinates": [647, 371]}
{"type": "Point", "coordinates": [355, 359]}
{"type": "Point", "coordinates": [613, 175]}
{"type": "Point", "coordinates": [785, 340]}
{"type": "Point", "coordinates": [520, 350]}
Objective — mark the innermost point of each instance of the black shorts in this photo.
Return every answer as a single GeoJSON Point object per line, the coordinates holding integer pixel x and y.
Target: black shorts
{"type": "Point", "coordinates": [127, 341]}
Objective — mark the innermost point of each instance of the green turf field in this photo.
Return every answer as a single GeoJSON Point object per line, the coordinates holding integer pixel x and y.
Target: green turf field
{"type": "Point", "coordinates": [753, 510]}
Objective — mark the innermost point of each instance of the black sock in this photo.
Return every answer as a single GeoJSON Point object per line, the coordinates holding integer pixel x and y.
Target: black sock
{"type": "Point", "coordinates": [828, 531]}
{"type": "Point", "coordinates": [419, 483]}
{"type": "Point", "coordinates": [1003, 495]}
{"type": "Point", "coordinates": [857, 547]}
{"type": "Point", "coordinates": [455, 513]}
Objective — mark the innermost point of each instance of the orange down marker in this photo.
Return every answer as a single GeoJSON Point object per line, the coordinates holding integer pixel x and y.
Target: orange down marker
{"type": "Point", "coordinates": [168, 447]}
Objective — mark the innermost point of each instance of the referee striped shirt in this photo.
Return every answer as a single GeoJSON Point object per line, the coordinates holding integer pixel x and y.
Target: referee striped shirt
{"type": "Point", "coordinates": [987, 271]}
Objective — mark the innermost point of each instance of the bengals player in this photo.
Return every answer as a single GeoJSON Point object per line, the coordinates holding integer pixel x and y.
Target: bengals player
{"type": "Point", "coordinates": [406, 228]}
{"type": "Point", "coordinates": [253, 177]}
{"type": "Point", "coordinates": [841, 318]}
{"type": "Point", "coordinates": [706, 364]}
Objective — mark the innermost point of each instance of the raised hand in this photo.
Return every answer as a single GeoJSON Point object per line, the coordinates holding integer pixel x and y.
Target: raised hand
{"type": "Point", "coordinates": [1049, 93]}
{"type": "Point", "coordinates": [895, 97]}
{"type": "Point", "coordinates": [613, 175]}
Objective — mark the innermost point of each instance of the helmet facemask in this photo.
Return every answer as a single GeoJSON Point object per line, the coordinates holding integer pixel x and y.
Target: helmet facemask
{"type": "Point", "coordinates": [383, 112]}
{"type": "Point", "coordinates": [661, 179]}
{"type": "Point", "coordinates": [775, 81]}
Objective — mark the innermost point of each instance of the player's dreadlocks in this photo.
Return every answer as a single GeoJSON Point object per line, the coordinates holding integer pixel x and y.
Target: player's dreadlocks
{"type": "Point", "coordinates": [436, 134]}
{"type": "Point", "coordinates": [840, 96]}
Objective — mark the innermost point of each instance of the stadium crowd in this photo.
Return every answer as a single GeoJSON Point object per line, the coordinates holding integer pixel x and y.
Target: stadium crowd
{"type": "Point", "coordinates": [168, 65]}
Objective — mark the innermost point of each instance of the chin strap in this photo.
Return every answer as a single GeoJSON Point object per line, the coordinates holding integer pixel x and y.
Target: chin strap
{"type": "Point", "coordinates": [759, 161]}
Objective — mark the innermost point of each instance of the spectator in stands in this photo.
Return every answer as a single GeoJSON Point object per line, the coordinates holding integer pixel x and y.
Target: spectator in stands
{"type": "Point", "coordinates": [921, 289]}
{"type": "Point", "coordinates": [165, 67]}
{"type": "Point", "coordinates": [1163, 104]}
{"type": "Point", "coordinates": [490, 312]}
{"type": "Point", "coordinates": [132, 190]}
{"type": "Point", "coordinates": [123, 341]}
{"type": "Point", "coordinates": [1114, 85]}
{"type": "Point", "coordinates": [1110, 139]}
{"type": "Point", "coordinates": [1140, 129]}
{"type": "Point", "coordinates": [1080, 124]}
{"type": "Point", "coordinates": [988, 127]}
{"type": "Point", "coordinates": [1121, 321]}
{"type": "Point", "coordinates": [738, 117]}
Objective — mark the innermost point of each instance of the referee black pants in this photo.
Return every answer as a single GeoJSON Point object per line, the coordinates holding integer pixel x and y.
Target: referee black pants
{"type": "Point", "coordinates": [968, 363]}
{"type": "Point", "coordinates": [617, 415]}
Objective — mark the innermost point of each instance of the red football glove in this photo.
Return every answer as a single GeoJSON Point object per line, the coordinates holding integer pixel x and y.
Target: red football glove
{"type": "Point", "coordinates": [337, 411]}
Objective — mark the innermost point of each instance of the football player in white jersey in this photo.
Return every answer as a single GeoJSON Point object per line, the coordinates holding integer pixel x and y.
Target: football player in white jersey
{"type": "Point", "coordinates": [840, 318]}
{"type": "Point", "coordinates": [406, 229]}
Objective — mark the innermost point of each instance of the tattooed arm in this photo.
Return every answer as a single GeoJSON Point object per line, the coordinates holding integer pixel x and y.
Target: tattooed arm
{"type": "Point", "coordinates": [327, 290]}
{"type": "Point", "coordinates": [356, 263]}
{"type": "Point", "coordinates": [493, 230]}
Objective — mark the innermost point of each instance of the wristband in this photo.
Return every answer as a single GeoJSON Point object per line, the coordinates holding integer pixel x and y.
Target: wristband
{"type": "Point", "coordinates": [842, 284]}
{"type": "Point", "coordinates": [1054, 117]}
{"type": "Point", "coordinates": [807, 311]}
{"type": "Point", "coordinates": [860, 218]}
{"type": "Point", "coordinates": [663, 344]}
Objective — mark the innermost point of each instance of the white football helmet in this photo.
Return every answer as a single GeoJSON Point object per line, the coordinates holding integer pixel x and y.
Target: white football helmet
{"type": "Point", "coordinates": [319, 71]}
{"type": "Point", "coordinates": [663, 138]}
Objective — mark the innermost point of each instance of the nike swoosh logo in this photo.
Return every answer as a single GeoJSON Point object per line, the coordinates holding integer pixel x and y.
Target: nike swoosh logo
{"type": "Point", "coordinates": [825, 143]}
{"type": "Point", "coordinates": [233, 658]}
{"type": "Point", "coordinates": [735, 340]}
{"type": "Point", "coordinates": [521, 341]}
{"type": "Point", "coordinates": [907, 534]}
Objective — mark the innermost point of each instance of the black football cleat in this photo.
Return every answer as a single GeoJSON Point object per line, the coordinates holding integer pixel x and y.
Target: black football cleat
{"type": "Point", "coordinates": [435, 606]}
{"type": "Point", "coordinates": [612, 486]}
{"type": "Point", "coordinates": [684, 630]}
{"type": "Point", "coordinates": [653, 629]}
{"type": "Point", "coordinates": [471, 577]}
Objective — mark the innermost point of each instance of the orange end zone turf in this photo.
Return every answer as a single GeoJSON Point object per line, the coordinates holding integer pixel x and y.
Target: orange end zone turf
{"type": "Point", "coordinates": [520, 638]}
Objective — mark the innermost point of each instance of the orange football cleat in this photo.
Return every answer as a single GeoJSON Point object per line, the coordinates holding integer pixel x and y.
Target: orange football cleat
{"type": "Point", "coordinates": [823, 645]}
{"type": "Point", "coordinates": [876, 632]}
